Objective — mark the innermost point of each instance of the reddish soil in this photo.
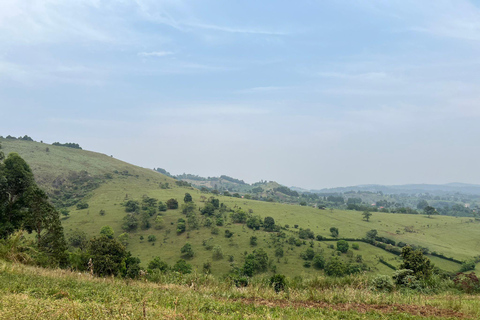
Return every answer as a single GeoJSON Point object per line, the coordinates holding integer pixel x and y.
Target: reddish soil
{"type": "Point", "coordinates": [425, 311]}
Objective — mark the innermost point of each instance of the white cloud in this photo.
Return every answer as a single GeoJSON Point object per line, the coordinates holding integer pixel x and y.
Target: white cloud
{"type": "Point", "coordinates": [258, 31]}
{"type": "Point", "coordinates": [155, 54]}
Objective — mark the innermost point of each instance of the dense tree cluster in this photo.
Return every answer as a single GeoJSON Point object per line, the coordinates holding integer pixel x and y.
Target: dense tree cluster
{"type": "Point", "coordinates": [23, 205]}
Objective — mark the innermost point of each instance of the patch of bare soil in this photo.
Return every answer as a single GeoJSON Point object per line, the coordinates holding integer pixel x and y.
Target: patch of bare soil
{"type": "Point", "coordinates": [425, 311]}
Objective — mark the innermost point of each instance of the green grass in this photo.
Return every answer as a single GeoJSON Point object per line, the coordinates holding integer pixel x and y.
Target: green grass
{"type": "Point", "coordinates": [35, 293]}
{"type": "Point", "coordinates": [455, 237]}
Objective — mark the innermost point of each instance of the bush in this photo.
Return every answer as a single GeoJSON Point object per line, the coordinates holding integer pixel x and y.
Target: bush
{"type": "Point", "coordinates": [187, 250]}
{"type": "Point", "coordinates": [253, 241]}
{"type": "Point", "coordinates": [162, 206]}
{"type": "Point", "coordinates": [278, 282]}
{"type": "Point", "coordinates": [335, 267]}
{"type": "Point", "coordinates": [334, 232]}
{"type": "Point", "coordinates": [319, 261]}
{"type": "Point", "coordinates": [217, 252]}
{"type": "Point", "coordinates": [468, 283]}
{"type": "Point", "coordinates": [158, 264]}
{"type": "Point", "coordinates": [383, 283]}
{"type": "Point", "coordinates": [355, 246]}
{"type": "Point", "coordinates": [182, 266]}
{"type": "Point", "coordinates": [82, 205]}
{"type": "Point", "coordinates": [151, 238]}
{"type": "Point", "coordinates": [107, 231]}
{"type": "Point", "coordinates": [342, 246]}
{"type": "Point", "coordinates": [228, 234]}
{"type": "Point", "coordinates": [467, 266]}
{"type": "Point", "coordinates": [172, 204]}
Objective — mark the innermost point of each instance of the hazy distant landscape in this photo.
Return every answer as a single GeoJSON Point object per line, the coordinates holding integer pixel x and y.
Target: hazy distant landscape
{"type": "Point", "coordinates": [239, 159]}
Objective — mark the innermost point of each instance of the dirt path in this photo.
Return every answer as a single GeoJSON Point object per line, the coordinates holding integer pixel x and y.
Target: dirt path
{"type": "Point", "coordinates": [425, 311]}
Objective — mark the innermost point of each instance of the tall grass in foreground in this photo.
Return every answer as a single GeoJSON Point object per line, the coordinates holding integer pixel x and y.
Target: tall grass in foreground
{"type": "Point", "coordinates": [35, 293]}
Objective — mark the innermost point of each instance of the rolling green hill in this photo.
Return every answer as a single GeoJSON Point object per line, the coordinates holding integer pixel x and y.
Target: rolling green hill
{"type": "Point", "coordinates": [73, 176]}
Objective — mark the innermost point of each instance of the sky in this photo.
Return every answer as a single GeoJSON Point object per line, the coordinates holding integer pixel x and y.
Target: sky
{"type": "Point", "coordinates": [308, 93]}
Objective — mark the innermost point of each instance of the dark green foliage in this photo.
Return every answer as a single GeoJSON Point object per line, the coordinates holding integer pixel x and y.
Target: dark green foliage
{"type": "Point", "coordinates": [188, 208]}
{"type": "Point", "coordinates": [279, 252]}
{"type": "Point", "coordinates": [68, 145]}
{"type": "Point", "coordinates": [366, 215]}
{"type": "Point", "coordinates": [305, 234]}
{"type": "Point", "coordinates": [286, 190]}
{"type": "Point", "coordinates": [78, 239]}
{"type": "Point", "coordinates": [269, 224]}
{"type": "Point", "coordinates": [108, 256]}
{"type": "Point", "coordinates": [187, 198]}
{"type": "Point", "coordinates": [82, 205]}
{"type": "Point", "coordinates": [107, 231]}
{"type": "Point", "coordinates": [415, 260]}
{"type": "Point", "coordinates": [334, 232]}
{"type": "Point", "coordinates": [371, 235]}
{"type": "Point", "coordinates": [319, 261]}
{"type": "Point", "coordinates": [172, 204]}
{"type": "Point", "coordinates": [162, 206]}
{"type": "Point", "coordinates": [255, 262]}
{"type": "Point", "coordinates": [428, 210]}
{"type": "Point", "coordinates": [239, 216]}
{"type": "Point", "coordinates": [254, 222]}
{"type": "Point", "coordinates": [24, 205]}
{"type": "Point", "coordinates": [467, 266]}
{"type": "Point", "coordinates": [181, 227]}
{"type": "Point", "coordinates": [342, 246]}
{"type": "Point", "coordinates": [319, 237]}
{"type": "Point", "coordinates": [335, 267]}
{"type": "Point", "coordinates": [278, 282]}
{"type": "Point", "coordinates": [102, 212]}
{"type": "Point", "coordinates": [132, 206]}
{"type": "Point", "coordinates": [130, 222]}
{"type": "Point", "coordinates": [208, 209]}
{"type": "Point", "coordinates": [207, 267]}
{"type": "Point", "coordinates": [228, 234]}
{"type": "Point", "coordinates": [187, 251]}
{"type": "Point", "coordinates": [215, 202]}
{"type": "Point", "coordinates": [219, 221]}
{"type": "Point", "coordinates": [182, 266]}
{"type": "Point", "coordinates": [355, 246]}
{"type": "Point", "coordinates": [132, 266]}
{"type": "Point", "coordinates": [151, 238]}
{"type": "Point", "coordinates": [253, 241]}
{"type": "Point", "coordinates": [307, 254]}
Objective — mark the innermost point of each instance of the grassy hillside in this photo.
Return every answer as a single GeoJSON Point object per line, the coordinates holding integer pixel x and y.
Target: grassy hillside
{"type": "Point", "coordinates": [35, 293]}
{"type": "Point", "coordinates": [117, 181]}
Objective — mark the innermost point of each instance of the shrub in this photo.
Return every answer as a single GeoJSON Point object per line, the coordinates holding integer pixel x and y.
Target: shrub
{"type": "Point", "coordinates": [217, 252]}
{"type": "Point", "coordinates": [182, 266]}
{"type": "Point", "coordinates": [158, 264]}
{"type": "Point", "coordinates": [415, 260]}
{"type": "Point", "coordinates": [467, 282]}
{"type": "Point", "coordinates": [172, 204]}
{"type": "Point", "coordinates": [162, 206]}
{"type": "Point", "coordinates": [342, 246]}
{"type": "Point", "coordinates": [335, 267]}
{"type": "Point", "coordinates": [253, 241]}
{"type": "Point", "coordinates": [187, 250]}
{"type": "Point", "coordinates": [228, 234]}
{"type": "Point", "coordinates": [467, 266]}
{"type": "Point", "coordinates": [82, 205]}
{"type": "Point", "coordinates": [107, 231]}
{"type": "Point", "coordinates": [383, 283]}
{"type": "Point", "coordinates": [278, 282]}
{"type": "Point", "coordinates": [319, 261]}
{"type": "Point", "coordinates": [355, 246]}
{"type": "Point", "coordinates": [151, 238]}
{"type": "Point", "coordinates": [334, 232]}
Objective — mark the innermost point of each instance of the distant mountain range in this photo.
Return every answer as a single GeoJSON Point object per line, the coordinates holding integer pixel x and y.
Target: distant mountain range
{"type": "Point", "coordinates": [406, 188]}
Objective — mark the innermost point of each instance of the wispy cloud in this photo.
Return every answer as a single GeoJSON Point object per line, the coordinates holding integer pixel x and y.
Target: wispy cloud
{"type": "Point", "coordinates": [209, 110]}
{"type": "Point", "coordinates": [262, 89]}
{"type": "Point", "coordinates": [258, 31]}
{"type": "Point", "coordinates": [155, 54]}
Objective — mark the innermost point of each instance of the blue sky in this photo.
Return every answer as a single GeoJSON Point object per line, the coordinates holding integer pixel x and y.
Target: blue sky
{"type": "Point", "coordinates": [308, 93]}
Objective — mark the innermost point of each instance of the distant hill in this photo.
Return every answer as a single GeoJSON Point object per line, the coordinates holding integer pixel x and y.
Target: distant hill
{"type": "Point", "coordinates": [94, 190]}
{"type": "Point", "coordinates": [435, 189]}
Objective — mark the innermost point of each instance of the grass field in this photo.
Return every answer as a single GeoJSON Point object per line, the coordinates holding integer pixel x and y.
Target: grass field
{"type": "Point", "coordinates": [455, 237]}
{"type": "Point", "coordinates": [35, 293]}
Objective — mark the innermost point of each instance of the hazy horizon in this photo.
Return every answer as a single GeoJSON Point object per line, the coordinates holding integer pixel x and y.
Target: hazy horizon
{"type": "Point", "coordinates": [308, 94]}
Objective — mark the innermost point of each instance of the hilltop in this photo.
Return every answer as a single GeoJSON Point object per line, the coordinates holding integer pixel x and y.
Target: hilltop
{"type": "Point", "coordinates": [93, 189]}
